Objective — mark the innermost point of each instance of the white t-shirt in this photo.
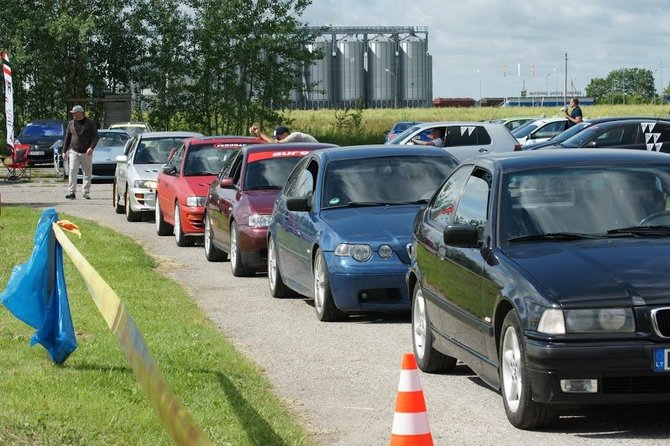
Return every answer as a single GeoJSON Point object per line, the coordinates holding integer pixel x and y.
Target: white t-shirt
{"type": "Point", "coordinates": [299, 137]}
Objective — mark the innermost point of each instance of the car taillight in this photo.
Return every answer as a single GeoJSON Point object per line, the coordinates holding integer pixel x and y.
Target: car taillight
{"type": "Point", "coordinates": [517, 147]}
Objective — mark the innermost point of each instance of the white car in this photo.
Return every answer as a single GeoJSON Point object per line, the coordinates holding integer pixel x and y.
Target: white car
{"type": "Point", "coordinates": [464, 139]}
{"type": "Point", "coordinates": [540, 130]}
{"type": "Point", "coordinates": [134, 190]}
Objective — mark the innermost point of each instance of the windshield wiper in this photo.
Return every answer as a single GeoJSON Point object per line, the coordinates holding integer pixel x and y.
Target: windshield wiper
{"type": "Point", "coordinates": [563, 236]}
{"type": "Point", "coordinates": [642, 230]}
{"type": "Point", "coordinates": [355, 204]}
{"type": "Point", "coordinates": [263, 186]}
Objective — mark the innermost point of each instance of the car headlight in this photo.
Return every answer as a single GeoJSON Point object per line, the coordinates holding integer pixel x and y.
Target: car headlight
{"type": "Point", "coordinates": [145, 184]}
{"type": "Point", "coordinates": [591, 320]}
{"type": "Point", "coordinates": [361, 253]}
{"type": "Point", "coordinates": [195, 201]}
{"type": "Point", "coordinates": [259, 220]}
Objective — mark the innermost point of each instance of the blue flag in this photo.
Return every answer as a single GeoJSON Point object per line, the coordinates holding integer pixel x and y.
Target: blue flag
{"type": "Point", "coordinates": [36, 293]}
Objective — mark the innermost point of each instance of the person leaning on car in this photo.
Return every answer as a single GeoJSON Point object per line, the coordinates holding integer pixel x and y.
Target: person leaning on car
{"type": "Point", "coordinates": [81, 137]}
{"type": "Point", "coordinates": [575, 115]}
{"type": "Point", "coordinates": [282, 134]}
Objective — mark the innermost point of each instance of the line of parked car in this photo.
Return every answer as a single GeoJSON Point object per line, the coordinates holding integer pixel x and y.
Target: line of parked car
{"type": "Point", "coordinates": [542, 270]}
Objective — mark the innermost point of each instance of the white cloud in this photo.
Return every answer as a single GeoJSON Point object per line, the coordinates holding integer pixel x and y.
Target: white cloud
{"type": "Point", "coordinates": [599, 36]}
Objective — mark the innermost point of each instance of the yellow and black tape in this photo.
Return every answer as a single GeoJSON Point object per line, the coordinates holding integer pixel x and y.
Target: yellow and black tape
{"type": "Point", "coordinates": [176, 420]}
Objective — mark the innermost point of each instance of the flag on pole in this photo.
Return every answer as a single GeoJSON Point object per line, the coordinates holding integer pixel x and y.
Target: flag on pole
{"type": "Point", "coordinates": [9, 101]}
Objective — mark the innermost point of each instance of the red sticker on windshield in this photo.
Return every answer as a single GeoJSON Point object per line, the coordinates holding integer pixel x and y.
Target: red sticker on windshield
{"type": "Point", "coordinates": [259, 156]}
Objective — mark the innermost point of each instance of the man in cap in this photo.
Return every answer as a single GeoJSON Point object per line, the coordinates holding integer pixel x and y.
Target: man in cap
{"type": "Point", "coordinates": [282, 134]}
{"type": "Point", "coordinates": [81, 138]}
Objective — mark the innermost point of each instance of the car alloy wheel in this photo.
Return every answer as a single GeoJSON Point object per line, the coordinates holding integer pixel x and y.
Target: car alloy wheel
{"type": "Point", "coordinates": [277, 287]}
{"type": "Point", "coordinates": [212, 253]}
{"type": "Point", "coordinates": [179, 236]}
{"type": "Point", "coordinates": [236, 264]}
{"type": "Point", "coordinates": [325, 307]}
{"type": "Point", "coordinates": [130, 214]}
{"type": "Point", "coordinates": [522, 412]}
{"type": "Point", "coordinates": [427, 358]}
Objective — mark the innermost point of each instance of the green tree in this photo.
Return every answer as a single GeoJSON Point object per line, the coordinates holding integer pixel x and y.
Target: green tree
{"type": "Point", "coordinates": [625, 85]}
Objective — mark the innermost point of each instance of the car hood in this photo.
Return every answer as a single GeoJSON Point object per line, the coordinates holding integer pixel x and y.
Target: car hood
{"type": "Point", "coordinates": [261, 201]}
{"type": "Point", "coordinates": [106, 154]}
{"type": "Point", "coordinates": [374, 225]}
{"type": "Point", "coordinates": [195, 185]}
{"type": "Point", "coordinates": [145, 171]}
{"type": "Point", "coordinates": [616, 272]}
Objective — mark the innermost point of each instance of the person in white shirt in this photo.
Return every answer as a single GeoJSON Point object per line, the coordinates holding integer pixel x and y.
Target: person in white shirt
{"type": "Point", "coordinates": [436, 138]}
{"type": "Point", "coordinates": [282, 134]}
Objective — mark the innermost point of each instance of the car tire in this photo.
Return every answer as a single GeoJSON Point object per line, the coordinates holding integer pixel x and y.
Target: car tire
{"type": "Point", "coordinates": [324, 304]}
{"type": "Point", "coordinates": [427, 358]}
{"type": "Point", "coordinates": [277, 287]}
{"type": "Point", "coordinates": [212, 253]}
{"type": "Point", "coordinates": [130, 214]}
{"type": "Point", "coordinates": [179, 236]}
{"type": "Point", "coordinates": [237, 266]}
{"type": "Point", "coordinates": [162, 227]}
{"type": "Point", "coordinates": [515, 388]}
{"type": "Point", "coordinates": [116, 203]}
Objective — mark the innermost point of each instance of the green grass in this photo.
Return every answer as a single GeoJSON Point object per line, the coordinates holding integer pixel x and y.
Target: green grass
{"type": "Point", "coordinates": [324, 125]}
{"type": "Point", "coordinates": [93, 398]}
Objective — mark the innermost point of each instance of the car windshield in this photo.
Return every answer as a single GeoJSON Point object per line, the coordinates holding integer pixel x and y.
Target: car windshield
{"type": "Point", "coordinates": [402, 126]}
{"type": "Point", "coordinates": [206, 159]}
{"type": "Point", "coordinates": [581, 138]}
{"type": "Point", "coordinates": [574, 203]}
{"type": "Point", "coordinates": [155, 150]}
{"type": "Point", "coordinates": [384, 180]}
{"type": "Point", "coordinates": [111, 139]}
{"type": "Point", "coordinates": [269, 172]}
{"type": "Point", "coordinates": [526, 129]}
{"type": "Point", "coordinates": [405, 134]}
{"type": "Point", "coordinates": [569, 133]}
{"type": "Point", "coordinates": [43, 129]}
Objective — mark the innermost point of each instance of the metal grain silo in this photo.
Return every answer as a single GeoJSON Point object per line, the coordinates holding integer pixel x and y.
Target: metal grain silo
{"type": "Point", "coordinates": [414, 66]}
{"type": "Point", "coordinates": [319, 75]}
{"type": "Point", "coordinates": [350, 69]}
{"type": "Point", "coordinates": [382, 75]}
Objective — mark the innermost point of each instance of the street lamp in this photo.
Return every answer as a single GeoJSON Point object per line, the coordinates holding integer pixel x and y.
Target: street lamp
{"type": "Point", "coordinates": [395, 87]}
{"type": "Point", "coordinates": [480, 87]}
{"type": "Point", "coordinates": [547, 91]}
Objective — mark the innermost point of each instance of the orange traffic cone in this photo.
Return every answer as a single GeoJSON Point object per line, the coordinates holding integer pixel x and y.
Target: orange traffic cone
{"type": "Point", "coordinates": [410, 420]}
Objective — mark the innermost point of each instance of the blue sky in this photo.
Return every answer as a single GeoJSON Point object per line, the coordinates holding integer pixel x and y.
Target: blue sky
{"type": "Point", "coordinates": [471, 41]}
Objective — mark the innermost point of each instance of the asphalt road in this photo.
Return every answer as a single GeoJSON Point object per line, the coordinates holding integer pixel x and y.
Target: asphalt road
{"type": "Point", "coordinates": [341, 378]}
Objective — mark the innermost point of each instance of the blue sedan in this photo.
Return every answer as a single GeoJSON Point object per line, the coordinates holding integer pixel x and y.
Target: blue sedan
{"type": "Point", "coordinates": [340, 228]}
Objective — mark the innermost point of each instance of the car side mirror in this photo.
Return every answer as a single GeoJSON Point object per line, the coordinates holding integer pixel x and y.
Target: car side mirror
{"type": "Point", "coordinates": [591, 145]}
{"type": "Point", "coordinates": [227, 183]}
{"type": "Point", "coordinates": [298, 204]}
{"type": "Point", "coordinates": [169, 170]}
{"type": "Point", "coordinates": [122, 159]}
{"type": "Point", "coordinates": [461, 236]}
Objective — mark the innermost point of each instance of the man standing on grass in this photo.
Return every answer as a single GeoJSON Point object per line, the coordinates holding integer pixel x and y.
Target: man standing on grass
{"type": "Point", "coordinates": [81, 137]}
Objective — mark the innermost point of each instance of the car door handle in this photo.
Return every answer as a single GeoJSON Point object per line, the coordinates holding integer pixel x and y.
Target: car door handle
{"type": "Point", "coordinates": [483, 150]}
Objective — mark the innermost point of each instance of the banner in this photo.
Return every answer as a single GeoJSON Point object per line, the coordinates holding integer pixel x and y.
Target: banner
{"type": "Point", "coordinates": [9, 101]}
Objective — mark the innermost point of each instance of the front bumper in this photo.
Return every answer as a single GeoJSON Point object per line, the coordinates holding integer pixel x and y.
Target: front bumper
{"type": "Point", "coordinates": [624, 372]}
{"type": "Point", "coordinates": [192, 219]}
{"type": "Point", "coordinates": [40, 155]}
{"type": "Point", "coordinates": [142, 200]}
{"type": "Point", "coordinates": [253, 246]}
{"type": "Point", "coordinates": [368, 287]}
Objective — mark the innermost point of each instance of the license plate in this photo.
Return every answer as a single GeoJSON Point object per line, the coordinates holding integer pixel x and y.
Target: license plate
{"type": "Point", "coordinates": [37, 152]}
{"type": "Point", "coordinates": [662, 360]}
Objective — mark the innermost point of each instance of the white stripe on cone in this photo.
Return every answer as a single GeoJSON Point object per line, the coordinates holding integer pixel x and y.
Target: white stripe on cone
{"type": "Point", "coordinates": [409, 381]}
{"type": "Point", "coordinates": [410, 424]}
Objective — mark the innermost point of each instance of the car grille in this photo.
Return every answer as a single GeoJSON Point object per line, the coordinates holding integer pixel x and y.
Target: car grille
{"type": "Point", "coordinates": [379, 295]}
{"type": "Point", "coordinates": [636, 384]}
{"type": "Point", "coordinates": [661, 321]}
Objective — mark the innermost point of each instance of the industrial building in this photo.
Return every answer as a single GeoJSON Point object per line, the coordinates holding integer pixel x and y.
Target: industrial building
{"type": "Point", "coordinates": [378, 66]}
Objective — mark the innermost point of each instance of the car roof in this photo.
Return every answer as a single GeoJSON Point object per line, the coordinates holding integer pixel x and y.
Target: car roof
{"type": "Point", "coordinates": [379, 150]}
{"type": "Point", "coordinates": [288, 146]}
{"type": "Point", "coordinates": [168, 134]}
{"type": "Point", "coordinates": [614, 122]}
{"type": "Point", "coordinates": [130, 123]}
{"type": "Point", "coordinates": [222, 139]}
{"type": "Point", "coordinates": [512, 161]}
{"type": "Point", "coordinates": [447, 123]}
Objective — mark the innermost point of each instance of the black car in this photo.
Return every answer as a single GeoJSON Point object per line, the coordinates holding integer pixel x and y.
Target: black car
{"type": "Point", "coordinates": [633, 133]}
{"type": "Point", "coordinates": [41, 135]}
{"type": "Point", "coordinates": [547, 272]}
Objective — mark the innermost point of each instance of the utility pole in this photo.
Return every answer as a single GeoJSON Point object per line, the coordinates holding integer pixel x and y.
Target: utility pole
{"type": "Point", "coordinates": [565, 80]}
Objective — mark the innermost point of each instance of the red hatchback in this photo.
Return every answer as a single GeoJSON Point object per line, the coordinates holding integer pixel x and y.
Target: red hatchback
{"type": "Point", "coordinates": [183, 183]}
{"type": "Point", "coordinates": [239, 203]}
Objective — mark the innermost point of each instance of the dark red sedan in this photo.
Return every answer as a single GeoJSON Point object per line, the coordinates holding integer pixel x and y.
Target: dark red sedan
{"type": "Point", "coordinates": [239, 203]}
{"type": "Point", "coordinates": [184, 180]}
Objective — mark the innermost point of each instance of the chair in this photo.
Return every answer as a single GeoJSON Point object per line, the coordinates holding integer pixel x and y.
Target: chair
{"type": "Point", "coordinates": [18, 166]}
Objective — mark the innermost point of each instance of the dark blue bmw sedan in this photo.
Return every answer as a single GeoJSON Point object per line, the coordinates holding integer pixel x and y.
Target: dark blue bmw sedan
{"type": "Point", "coordinates": [548, 273]}
{"type": "Point", "coordinates": [340, 228]}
